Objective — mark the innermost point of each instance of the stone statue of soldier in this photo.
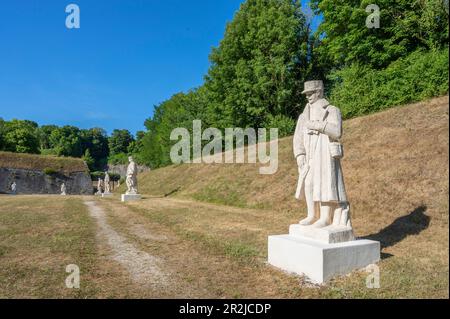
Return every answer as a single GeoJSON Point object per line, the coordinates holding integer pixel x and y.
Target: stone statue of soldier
{"type": "Point", "coordinates": [131, 179]}
{"type": "Point", "coordinates": [99, 186]}
{"type": "Point", "coordinates": [63, 189]}
{"type": "Point", "coordinates": [107, 183]}
{"type": "Point", "coordinates": [13, 188]}
{"type": "Point", "coordinates": [318, 152]}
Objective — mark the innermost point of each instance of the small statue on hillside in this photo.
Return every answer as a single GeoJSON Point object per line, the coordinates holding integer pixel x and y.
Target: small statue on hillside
{"type": "Point", "coordinates": [107, 185]}
{"type": "Point", "coordinates": [99, 186]}
{"type": "Point", "coordinates": [63, 189]}
{"type": "Point", "coordinates": [131, 180]}
{"type": "Point", "coordinates": [318, 153]}
{"type": "Point", "coordinates": [13, 188]}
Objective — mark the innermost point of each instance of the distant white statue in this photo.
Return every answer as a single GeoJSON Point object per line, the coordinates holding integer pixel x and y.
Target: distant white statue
{"type": "Point", "coordinates": [63, 189]}
{"type": "Point", "coordinates": [107, 184]}
{"type": "Point", "coordinates": [318, 152]}
{"type": "Point", "coordinates": [131, 180]}
{"type": "Point", "coordinates": [99, 186]}
{"type": "Point", "coordinates": [14, 188]}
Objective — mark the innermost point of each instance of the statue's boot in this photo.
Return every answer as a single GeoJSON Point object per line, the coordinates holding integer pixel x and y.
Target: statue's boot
{"type": "Point", "coordinates": [320, 223]}
{"type": "Point", "coordinates": [324, 217]}
{"type": "Point", "coordinates": [307, 221]}
{"type": "Point", "coordinates": [337, 216]}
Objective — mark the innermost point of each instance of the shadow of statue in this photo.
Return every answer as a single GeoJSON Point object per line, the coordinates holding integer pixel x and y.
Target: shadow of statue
{"type": "Point", "coordinates": [411, 224]}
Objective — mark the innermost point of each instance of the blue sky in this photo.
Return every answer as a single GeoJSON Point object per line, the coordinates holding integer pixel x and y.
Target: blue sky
{"type": "Point", "coordinates": [128, 56]}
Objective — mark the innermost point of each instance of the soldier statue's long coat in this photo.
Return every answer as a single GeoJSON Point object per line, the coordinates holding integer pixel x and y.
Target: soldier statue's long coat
{"type": "Point", "coordinates": [327, 179]}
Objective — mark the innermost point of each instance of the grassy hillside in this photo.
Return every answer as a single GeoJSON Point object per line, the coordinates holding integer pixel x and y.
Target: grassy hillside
{"type": "Point", "coordinates": [395, 161]}
{"type": "Point", "coordinates": [41, 162]}
{"type": "Point", "coordinates": [396, 174]}
{"type": "Point", "coordinates": [396, 170]}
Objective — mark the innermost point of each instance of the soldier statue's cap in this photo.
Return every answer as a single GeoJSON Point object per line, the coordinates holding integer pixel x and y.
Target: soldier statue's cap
{"type": "Point", "coordinates": [311, 86]}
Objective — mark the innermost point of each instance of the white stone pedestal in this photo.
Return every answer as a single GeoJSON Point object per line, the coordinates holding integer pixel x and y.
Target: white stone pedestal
{"type": "Point", "coordinates": [329, 234]}
{"type": "Point", "coordinates": [107, 195]}
{"type": "Point", "coordinates": [130, 197]}
{"type": "Point", "coordinates": [320, 260]}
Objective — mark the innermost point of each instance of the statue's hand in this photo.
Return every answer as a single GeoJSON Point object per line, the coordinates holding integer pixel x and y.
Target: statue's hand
{"type": "Point", "coordinates": [315, 125]}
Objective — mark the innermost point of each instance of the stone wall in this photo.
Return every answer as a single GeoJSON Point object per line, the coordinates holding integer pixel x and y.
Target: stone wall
{"type": "Point", "coordinates": [121, 169]}
{"type": "Point", "coordinates": [37, 182]}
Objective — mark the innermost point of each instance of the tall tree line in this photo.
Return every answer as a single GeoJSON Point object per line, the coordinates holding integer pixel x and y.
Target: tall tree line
{"type": "Point", "coordinates": [268, 50]}
{"type": "Point", "coordinates": [258, 70]}
{"type": "Point", "coordinates": [93, 145]}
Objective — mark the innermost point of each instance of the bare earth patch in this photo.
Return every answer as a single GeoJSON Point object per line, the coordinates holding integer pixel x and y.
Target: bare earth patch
{"type": "Point", "coordinates": [143, 268]}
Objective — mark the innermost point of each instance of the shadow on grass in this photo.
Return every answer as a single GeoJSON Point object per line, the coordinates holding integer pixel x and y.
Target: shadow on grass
{"type": "Point", "coordinates": [411, 224]}
{"type": "Point", "coordinates": [172, 192]}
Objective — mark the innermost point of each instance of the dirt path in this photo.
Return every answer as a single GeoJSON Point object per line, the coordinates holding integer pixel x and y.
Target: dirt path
{"type": "Point", "coordinates": [144, 268]}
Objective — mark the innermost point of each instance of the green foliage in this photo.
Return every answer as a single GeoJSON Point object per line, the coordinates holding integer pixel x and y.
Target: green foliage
{"type": "Point", "coordinates": [96, 141]}
{"type": "Point", "coordinates": [2, 132]}
{"type": "Point", "coordinates": [114, 177]}
{"type": "Point", "coordinates": [405, 26]}
{"type": "Point", "coordinates": [49, 171]}
{"type": "Point", "coordinates": [44, 133]}
{"type": "Point", "coordinates": [23, 136]}
{"type": "Point", "coordinates": [119, 141]}
{"type": "Point", "coordinates": [285, 124]}
{"type": "Point", "coordinates": [179, 111]}
{"type": "Point", "coordinates": [89, 160]}
{"type": "Point", "coordinates": [120, 158]}
{"type": "Point", "coordinates": [100, 174]}
{"type": "Point", "coordinates": [97, 174]}
{"type": "Point", "coordinates": [67, 141]}
{"type": "Point", "coordinates": [136, 144]}
{"type": "Point", "coordinates": [48, 151]}
{"type": "Point", "coordinates": [257, 72]}
{"type": "Point", "coordinates": [255, 79]}
{"type": "Point", "coordinates": [259, 67]}
{"type": "Point", "coordinates": [360, 90]}
{"type": "Point", "coordinates": [19, 136]}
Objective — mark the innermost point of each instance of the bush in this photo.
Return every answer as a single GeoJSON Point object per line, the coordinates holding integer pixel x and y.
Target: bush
{"type": "Point", "coordinates": [285, 124]}
{"type": "Point", "coordinates": [99, 174]}
{"type": "Point", "coordinates": [120, 158]}
{"type": "Point", "coordinates": [114, 176]}
{"type": "Point", "coordinates": [359, 90]}
{"type": "Point", "coordinates": [96, 175]}
{"type": "Point", "coordinates": [49, 171]}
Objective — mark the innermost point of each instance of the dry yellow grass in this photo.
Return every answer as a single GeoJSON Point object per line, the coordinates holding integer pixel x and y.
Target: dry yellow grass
{"type": "Point", "coordinates": [210, 234]}
{"type": "Point", "coordinates": [40, 236]}
{"type": "Point", "coordinates": [396, 170]}
{"type": "Point", "coordinates": [41, 162]}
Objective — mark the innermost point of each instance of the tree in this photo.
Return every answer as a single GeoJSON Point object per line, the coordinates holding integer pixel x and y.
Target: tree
{"type": "Point", "coordinates": [67, 141]}
{"type": "Point", "coordinates": [178, 111]}
{"type": "Point", "coordinates": [2, 129]}
{"type": "Point", "coordinates": [90, 162]}
{"type": "Point", "coordinates": [136, 145]}
{"type": "Point", "coordinates": [260, 65]}
{"type": "Point", "coordinates": [405, 26]}
{"type": "Point", "coordinates": [20, 136]}
{"type": "Point", "coordinates": [44, 136]}
{"type": "Point", "coordinates": [96, 141]}
{"type": "Point", "coordinates": [119, 141]}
